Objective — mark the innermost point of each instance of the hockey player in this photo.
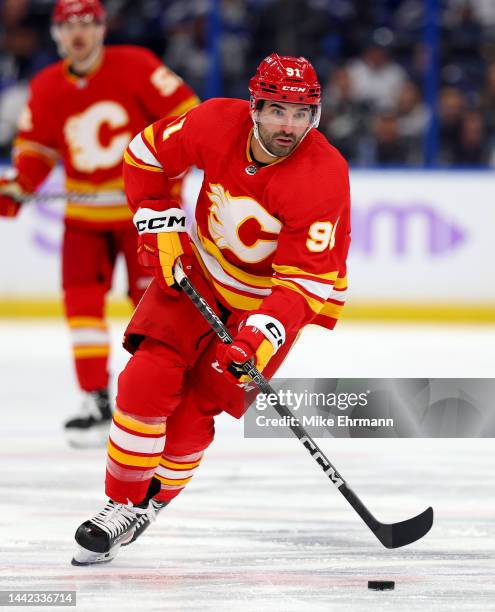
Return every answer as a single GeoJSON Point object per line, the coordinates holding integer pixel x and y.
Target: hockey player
{"type": "Point", "coordinates": [84, 111]}
{"type": "Point", "coordinates": [267, 249]}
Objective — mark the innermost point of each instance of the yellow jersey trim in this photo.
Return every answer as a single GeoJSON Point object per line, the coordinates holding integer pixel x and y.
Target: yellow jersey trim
{"type": "Point", "coordinates": [149, 136]}
{"type": "Point", "coordinates": [138, 426]}
{"type": "Point", "coordinates": [173, 481]}
{"type": "Point", "coordinates": [185, 105]}
{"type": "Point", "coordinates": [294, 271]}
{"type": "Point", "coordinates": [131, 162]}
{"type": "Point", "coordinates": [91, 352]}
{"type": "Point", "coordinates": [87, 322]}
{"type": "Point", "coordinates": [86, 186]}
{"type": "Point", "coordinates": [314, 304]}
{"type": "Point", "coordinates": [134, 460]}
{"type": "Point", "coordinates": [236, 300]}
{"type": "Point", "coordinates": [250, 279]}
{"type": "Point", "coordinates": [179, 466]}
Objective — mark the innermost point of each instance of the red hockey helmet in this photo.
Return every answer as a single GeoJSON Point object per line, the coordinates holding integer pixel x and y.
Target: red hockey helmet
{"type": "Point", "coordinates": [285, 79]}
{"type": "Point", "coordinates": [65, 10]}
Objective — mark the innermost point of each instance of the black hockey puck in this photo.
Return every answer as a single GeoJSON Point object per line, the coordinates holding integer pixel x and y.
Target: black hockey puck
{"type": "Point", "coordinates": [381, 585]}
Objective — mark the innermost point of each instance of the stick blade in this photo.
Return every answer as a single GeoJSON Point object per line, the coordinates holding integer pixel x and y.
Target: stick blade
{"type": "Point", "coordinates": [395, 535]}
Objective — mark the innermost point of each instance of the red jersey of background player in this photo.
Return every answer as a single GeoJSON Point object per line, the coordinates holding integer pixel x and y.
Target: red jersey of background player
{"type": "Point", "coordinates": [273, 238]}
{"type": "Point", "coordinates": [88, 122]}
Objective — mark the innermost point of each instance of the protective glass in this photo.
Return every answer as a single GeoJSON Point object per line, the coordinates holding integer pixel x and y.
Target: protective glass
{"type": "Point", "coordinates": [75, 20]}
{"type": "Point", "coordinates": [284, 114]}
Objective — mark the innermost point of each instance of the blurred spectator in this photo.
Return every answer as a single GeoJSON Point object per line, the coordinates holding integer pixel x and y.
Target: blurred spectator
{"type": "Point", "coordinates": [412, 120]}
{"type": "Point", "coordinates": [471, 148]}
{"type": "Point", "coordinates": [451, 107]}
{"type": "Point", "coordinates": [483, 10]}
{"type": "Point", "coordinates": [234, 47]}
{"type": "Point", "coordinates": [13, 11]}
{"type": "Point", "coordinates": [12, 99]}
{"type": "Point", "coordinates": [375, 78]}
{"type": "Point", "coordinates": [461, 51]}
{"type": "Point", "coordinates": [487, 101]}
{"type": "Point", "coordinates": [291, 27]}
{"type": "Point", "coordinates": [381, 43]}
{"type": "Point", "coordinates": [343, 119]}
{"type": "Point", "coordinates": [184, 31]}
{"type": "Point", "coordinates": [390, 148]}
{"type": "Point", "coordinates": [24, 52]}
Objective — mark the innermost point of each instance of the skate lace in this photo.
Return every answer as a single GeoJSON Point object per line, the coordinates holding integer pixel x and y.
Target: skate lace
{"type": "Point", "coordinates": [151, 512]}
{"type": "Point", "coordinates": [115, 518]}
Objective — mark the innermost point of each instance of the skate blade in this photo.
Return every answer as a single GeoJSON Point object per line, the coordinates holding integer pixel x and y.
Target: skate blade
{"type": "Point", "coordinates": [96, 437]}
{"type": "Point", "coordinates": [82, 556]}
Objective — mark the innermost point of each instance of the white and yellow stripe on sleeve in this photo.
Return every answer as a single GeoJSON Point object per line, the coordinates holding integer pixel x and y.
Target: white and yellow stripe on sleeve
{"type": "Point", "coordinates": [315, 288]}
{"type": "Point", "coordinates": [139, 153]}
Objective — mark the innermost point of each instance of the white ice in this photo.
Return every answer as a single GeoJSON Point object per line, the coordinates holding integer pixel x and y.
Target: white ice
{"type": "Point", "coordinates": [260, 527]}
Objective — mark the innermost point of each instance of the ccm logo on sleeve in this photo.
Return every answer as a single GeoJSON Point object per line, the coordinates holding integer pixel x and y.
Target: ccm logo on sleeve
{"type": "Point", "coordinates": [149, 221]}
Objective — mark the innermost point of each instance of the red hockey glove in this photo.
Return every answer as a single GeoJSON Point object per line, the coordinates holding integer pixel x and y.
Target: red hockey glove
{"type": "Point", "coordinates": [162, 239]}
{"type": "Point", "coordinates": [10, 192]}
{"type": "Point", "coordinates": [259, 338]}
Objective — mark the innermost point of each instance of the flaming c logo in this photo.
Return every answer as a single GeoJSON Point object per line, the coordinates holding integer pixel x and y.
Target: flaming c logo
{"type": "Point", "coordinates": [226, 217]}
{"type": "Point", "coordinates": [82, 133]}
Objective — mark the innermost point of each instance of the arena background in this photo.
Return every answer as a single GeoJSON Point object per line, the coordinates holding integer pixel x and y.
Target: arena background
{"type": "Point", "coordinates": [409, 88]}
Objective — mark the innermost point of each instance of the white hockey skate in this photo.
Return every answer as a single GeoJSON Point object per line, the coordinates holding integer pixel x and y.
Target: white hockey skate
{"type": "Point", "coordinates": [100, 538]}
{"type": "Point", "coordinates": [89, 428]}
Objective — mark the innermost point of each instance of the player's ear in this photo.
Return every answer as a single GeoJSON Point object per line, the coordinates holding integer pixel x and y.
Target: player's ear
{"type": "Point", "coordinates": [102, 29]}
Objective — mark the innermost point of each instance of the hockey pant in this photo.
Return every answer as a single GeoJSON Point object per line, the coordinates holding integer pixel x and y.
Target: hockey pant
{"type": "Point", "coordinates": [88, 261]}
{"type": "Point", "coordinates": [168, 396]}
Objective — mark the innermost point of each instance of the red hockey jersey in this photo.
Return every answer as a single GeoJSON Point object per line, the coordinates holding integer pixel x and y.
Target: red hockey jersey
{"type": "Point", "coordinates": [88, 122]}
{"type": "Point", "coordinates": [272, 239]}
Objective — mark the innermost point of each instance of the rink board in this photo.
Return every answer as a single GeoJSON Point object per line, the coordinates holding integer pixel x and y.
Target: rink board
{"type": "Point", "coordinates": [421, 248]}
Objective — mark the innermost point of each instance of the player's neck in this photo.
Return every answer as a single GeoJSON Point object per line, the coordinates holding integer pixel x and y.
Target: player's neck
{"type": "Point", "coordinates": [88, 65]}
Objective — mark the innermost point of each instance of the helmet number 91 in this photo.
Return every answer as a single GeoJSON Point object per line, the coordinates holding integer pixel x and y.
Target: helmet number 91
{"type": "Point", "coordinates": [321, 236]}
{"type": "Point", "coordinates": [293, 71]}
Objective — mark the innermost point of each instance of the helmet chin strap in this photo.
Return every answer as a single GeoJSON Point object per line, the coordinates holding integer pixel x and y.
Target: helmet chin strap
{"type": "Point", "coordinates": [256, 133]}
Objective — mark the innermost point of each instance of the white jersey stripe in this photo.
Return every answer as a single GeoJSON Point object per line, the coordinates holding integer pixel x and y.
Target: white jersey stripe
{"type": "Point", "coordinates": [141, 152]}
{"type": "Point", "coordinates": [339, 296]}
{"type": "Point", "coordinates": [135, 443]}
{"type": "Point", "coordinates": [184, 458]}
{"type": "Point", "coordinates": [174, 474]}
{"type": "Point", "coordinates": [322, 290]}
{"type": "Point", "coordinates": [85, 336]}
{"type": "Point", "coordinates": [126, 474]}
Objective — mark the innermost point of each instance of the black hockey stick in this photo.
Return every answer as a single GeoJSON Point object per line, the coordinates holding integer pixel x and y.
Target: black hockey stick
{"type": "Point", "coordinates": [391, 535]}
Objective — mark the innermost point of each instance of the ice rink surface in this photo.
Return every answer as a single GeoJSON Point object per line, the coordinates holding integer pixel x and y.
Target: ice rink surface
{"type": "Point", "coordinates": [260, 527]}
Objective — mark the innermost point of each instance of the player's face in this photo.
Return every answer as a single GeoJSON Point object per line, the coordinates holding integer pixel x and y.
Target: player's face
{"type": "Point", "coordinates": [282, 125]}
{"type": "Point", "coordinates": [80, 38]}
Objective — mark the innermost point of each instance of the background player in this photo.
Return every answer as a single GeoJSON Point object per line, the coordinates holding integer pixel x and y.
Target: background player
{"type": "Point", "coordinates": [84, 111]}
{"type": "Point", "coordinates": [268, 251]}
